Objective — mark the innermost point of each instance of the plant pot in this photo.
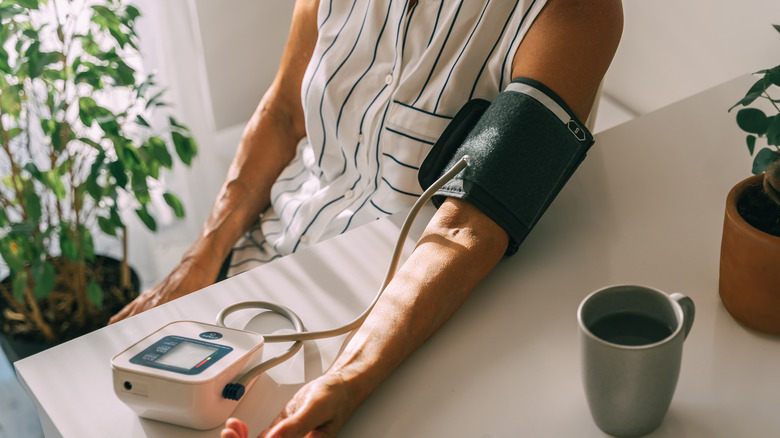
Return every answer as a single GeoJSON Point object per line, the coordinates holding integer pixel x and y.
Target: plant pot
{"type": "Point", "coordinates": [749, 267]}
{"type": "Point", "coordinates": [17, 347]}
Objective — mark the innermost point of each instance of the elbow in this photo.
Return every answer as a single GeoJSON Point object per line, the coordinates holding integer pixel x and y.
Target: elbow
{"type": "Point", "coordinates": [462, 228]}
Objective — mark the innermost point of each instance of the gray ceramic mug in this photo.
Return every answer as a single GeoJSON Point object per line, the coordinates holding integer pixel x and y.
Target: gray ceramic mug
{"type": "Point", "coordinates": [631, 340]}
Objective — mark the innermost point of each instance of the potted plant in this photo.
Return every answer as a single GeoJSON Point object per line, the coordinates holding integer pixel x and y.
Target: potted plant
{"type": "Point", "coordinates": [750, 249]}
{"type": "Point", "coordinates": [82, 141]}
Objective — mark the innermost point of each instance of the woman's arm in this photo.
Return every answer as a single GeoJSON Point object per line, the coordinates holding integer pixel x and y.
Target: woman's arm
{"type": "Point", "coordinates": [266, 147]}
{"type": "Point", "coordinates": [568, 48]}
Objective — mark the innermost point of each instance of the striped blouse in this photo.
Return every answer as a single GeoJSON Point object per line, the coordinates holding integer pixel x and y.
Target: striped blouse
{"type": "Point", "coordinates": [383, 83]}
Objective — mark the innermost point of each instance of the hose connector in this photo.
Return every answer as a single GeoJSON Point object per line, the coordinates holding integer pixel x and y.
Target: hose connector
{"type": "Point", "coordinates": [233, 391]}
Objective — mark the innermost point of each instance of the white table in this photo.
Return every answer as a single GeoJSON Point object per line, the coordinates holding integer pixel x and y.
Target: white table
{"type": "Point", "coordinates": [645, 207]}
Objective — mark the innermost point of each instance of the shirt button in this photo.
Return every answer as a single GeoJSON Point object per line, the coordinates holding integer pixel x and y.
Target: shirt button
{"type": "Point", "coordinates": [349, 194]}
{"type": "Point", "coordinates": [305, 240]}
{"type": "Point", "coordinates": [389, 79]}
{"type": "Point", "coordinates": [361, 138]}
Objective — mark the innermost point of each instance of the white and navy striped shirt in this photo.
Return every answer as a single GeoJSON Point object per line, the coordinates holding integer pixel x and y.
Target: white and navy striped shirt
{"type": "Point", "coordinates": [383, 83]}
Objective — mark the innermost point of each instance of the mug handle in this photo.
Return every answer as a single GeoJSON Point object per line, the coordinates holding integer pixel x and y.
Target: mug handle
{"type": "Point", "coordinates": [688, 308]}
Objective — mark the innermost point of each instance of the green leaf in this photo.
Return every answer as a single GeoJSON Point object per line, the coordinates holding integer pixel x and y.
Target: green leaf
{"type": "Point", "coordinates": [159, 152]}
{"type": "Point", "coordinates": [185, 147]}
{"type": "Point", "coordinates": [44, 275]}
{"type": "Point", "coordinates": [37, 61]}
{"type": "Point", "coordinates": [15, 132]}
{"type": "Point", "coordinates": [176, 205]}
{"type": "Point", "coordinates": [125, 74]}
{"type": "Point", "coordinates": [141, 121]}
{"type": "Point", "coordinates": [89, 77]}
{"type": "Point", "coordinates": [48, 126]}
{"type": "Point", "coordinates": [52, 75]}
{"type": "Point", "coordinates": [155, 99]}
{"type": "Point", "coordinates": [120, 37]}
{"type": "Point", "coordinates": [106, 226]}
{"type": "Point", "coordinates": [109, 124]}
{"type": "Point", "coordinates": [140, 188]}
{"type": "Point", "coordinates": [751, 143]}
{"type": "Point", "coordinates": [51, 179]}
{"type": "Point", "coordinates": [95, 293]}
{"type": "Point", "coordinates": [68, 247]}
{"type": "Point", "coordinates": [88, 44]}
{"type": "Point", "coordinates": [131, 13]}
{"type": "Point", "coordinates": [29, 4]}
{"type": "Point", "coordinates": [144, 86]}
{"type": "Point", "coordinates": [9, 181]}
{"type": "Point", "coordinates": [115, 218]}
{"type": "Point", "coordinates": [753, 93]}
{"type": "Point", "coordinates": [129, 154]}
{"type": "Point", "coordinates": [3, 218]}
{"type": "Point", "coordinates": [152, 166]}
{"type": "Point", "coordinates": [773, 131]}
{"type": "Point", "coordinates": [92, 143]}
{"type": "Point", "coordinates": [11, 99]}
{"type": "Point", "coordinates": [34, 59]}
{"type": "Point", "coordinates": [32, 205]}
{"type": "Point", "coordinates": [117, 170]}
{"type": "Point", "coordinates": [90, 111]}
{"type": "Point", "coordinates": [4, 66]}
{"type": "Point", "coordinates": [146, 218]}
{"type": "Point", "coordinates": [105, 17]}
{"type": "Point", "coordinates": [763, 159]}
{"type": "Point", "coordinates": [752, 120]}
{"type": "Point", "coordinates": [94, 189]}
{"type": "Point", "coordinates": [177, 125]}
{"type": "Point", "coordinates": [777, 27]}
{"type": "Point", "coordinates": [87, 107]}
{"type": "Point", "coordinates": [773, 75]}
{"type": "Point", "coordinates": [87, 245]}
{"type": "Point", "coordinates": [20, 285]}
{"type": "Point", "coordinates": [12, 253]}
{"type": "Point", "coordinates": [33, 169]}
{"type": "Point", "coordinates": [61, 134]}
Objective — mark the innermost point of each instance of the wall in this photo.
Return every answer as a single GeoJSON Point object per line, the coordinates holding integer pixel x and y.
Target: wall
{"type": "Point", "coordinates": [242, 44]}
{"type": "Point", "coordinates": [672, 49]}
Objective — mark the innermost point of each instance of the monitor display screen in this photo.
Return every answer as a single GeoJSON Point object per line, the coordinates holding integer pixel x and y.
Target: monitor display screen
{"type": "Point", "coordinates": [186, 355]}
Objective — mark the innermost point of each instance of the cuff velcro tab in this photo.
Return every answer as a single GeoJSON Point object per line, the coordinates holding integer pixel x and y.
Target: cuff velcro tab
{"type": "Point", "coordinates": [524, 146]}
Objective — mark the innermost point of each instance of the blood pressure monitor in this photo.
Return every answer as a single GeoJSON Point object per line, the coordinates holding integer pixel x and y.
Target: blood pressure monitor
{"type": "Point", "coordinates": [178, 373]}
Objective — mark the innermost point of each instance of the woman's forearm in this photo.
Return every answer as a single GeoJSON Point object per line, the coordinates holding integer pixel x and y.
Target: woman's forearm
{"type": "Point", "coordinates": [458, 249]}
{"type": "Point", "coordinates": [267, 145]}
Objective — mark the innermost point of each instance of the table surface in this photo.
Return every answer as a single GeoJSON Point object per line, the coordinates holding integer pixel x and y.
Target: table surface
{"type": "Point", "coordinates": [645, 207]}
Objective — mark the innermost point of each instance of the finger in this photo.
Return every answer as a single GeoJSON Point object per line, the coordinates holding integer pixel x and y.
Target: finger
{"type": "Point", "coordinates": [136, 306]}
{"type": "Point", "coordinates": [301, 423]}
{"type": "Point", "coordinates": [240, 426]}
{"type": "Point", "coordinates": [122, 314]}
{"type": "Point", "coordinates": [235, 428]}
{"type": "Point", "coordinates": [229, 433]}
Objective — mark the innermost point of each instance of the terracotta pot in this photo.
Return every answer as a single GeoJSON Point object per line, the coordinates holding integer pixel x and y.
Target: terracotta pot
{"type": "Point", "coordinates": [749, 267]}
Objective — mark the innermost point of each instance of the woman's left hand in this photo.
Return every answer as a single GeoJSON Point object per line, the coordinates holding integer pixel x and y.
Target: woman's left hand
{"type": "Point", "coordinates": [318, 410]}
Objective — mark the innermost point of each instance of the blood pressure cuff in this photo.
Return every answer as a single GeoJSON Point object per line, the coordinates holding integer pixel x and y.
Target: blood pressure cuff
{"type": "Point", "coordinates": [524, 146]}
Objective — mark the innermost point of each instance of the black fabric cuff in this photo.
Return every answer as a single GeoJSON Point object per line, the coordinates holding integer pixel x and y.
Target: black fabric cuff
{"type": "Point", "coordinates": [524, 146]}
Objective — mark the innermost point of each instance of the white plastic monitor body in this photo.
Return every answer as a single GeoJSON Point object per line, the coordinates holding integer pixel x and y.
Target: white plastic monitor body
{"type": "Point", "coordinates": [177, 374]}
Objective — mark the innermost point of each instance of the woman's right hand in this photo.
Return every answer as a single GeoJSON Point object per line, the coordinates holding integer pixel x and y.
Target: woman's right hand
{"type": "Point", "coordinates": [188, 276]}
